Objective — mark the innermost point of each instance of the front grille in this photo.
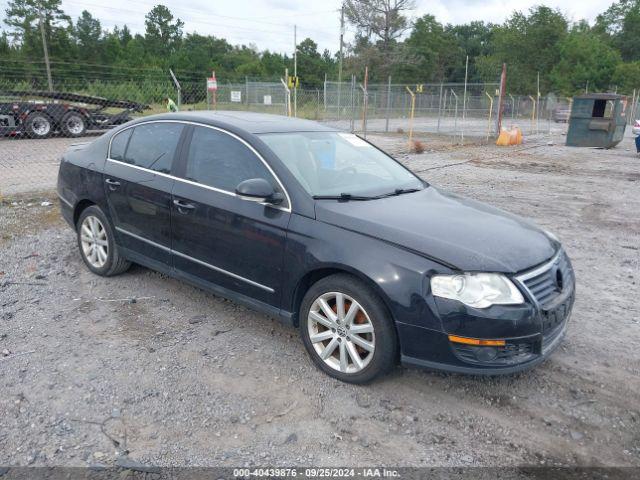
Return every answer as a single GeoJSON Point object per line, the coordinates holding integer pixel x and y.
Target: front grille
{"type": "Point", "coordinates": [550, 280]}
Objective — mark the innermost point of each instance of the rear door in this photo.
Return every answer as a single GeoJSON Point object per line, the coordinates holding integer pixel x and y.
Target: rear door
{"type": "Point", "coordinates": [138, 186]}
{"type": "Point", "coordinates": [218, 237]}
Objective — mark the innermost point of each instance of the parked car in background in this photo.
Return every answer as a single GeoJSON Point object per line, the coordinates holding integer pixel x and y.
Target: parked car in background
{"type": "Point", "coordinates": [326, 232]}
{"type": "Point", "coordinates": [561, 113]}
{"type": "Point", "coordinates": [636, 128]}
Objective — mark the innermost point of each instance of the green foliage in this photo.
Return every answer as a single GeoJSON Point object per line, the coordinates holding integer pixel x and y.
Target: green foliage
{"type": "Point", "coordinates": [627, 76]}
{"type": "Point", "coordinates": [162, 33]}
{"type": "Point", "coordinates": [430, 52]}
{"type": "Point", "coordinates": [541, 41]}
{"type": "Point", "coordinates": [585, 59]}
{"type": "Point", "coordinates": [528, 44]}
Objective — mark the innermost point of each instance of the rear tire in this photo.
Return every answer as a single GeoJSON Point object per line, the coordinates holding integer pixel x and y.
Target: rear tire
{"type": "Point", "coordinates": [39, 125]}
{"type": "Point", "coordinates": [347, 330]}
{"type": "Point", "coordinates": [96, 241]}
{"type": "Point", "coordinates": [73, 125]}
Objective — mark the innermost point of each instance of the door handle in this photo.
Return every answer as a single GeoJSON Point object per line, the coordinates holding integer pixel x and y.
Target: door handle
{"type": "Point", "coordinates": [183, 206]}
{"type": "Point", "coordinates": [113, 184]}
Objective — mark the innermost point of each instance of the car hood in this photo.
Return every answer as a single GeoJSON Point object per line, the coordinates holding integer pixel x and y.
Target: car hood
{"type": "Point", "coordinates": [459, 232]}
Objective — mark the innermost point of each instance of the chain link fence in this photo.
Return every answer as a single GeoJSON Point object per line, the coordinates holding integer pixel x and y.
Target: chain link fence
{"type": "Point", "coordinates": [36, 125]}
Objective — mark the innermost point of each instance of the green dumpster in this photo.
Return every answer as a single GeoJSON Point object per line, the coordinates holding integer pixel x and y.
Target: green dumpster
{"type": "Point", "coordinates": [597, 120]}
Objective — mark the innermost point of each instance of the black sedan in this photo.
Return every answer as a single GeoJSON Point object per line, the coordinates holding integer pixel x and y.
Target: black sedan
{"type": "Point", "coordinates": [326, 232]}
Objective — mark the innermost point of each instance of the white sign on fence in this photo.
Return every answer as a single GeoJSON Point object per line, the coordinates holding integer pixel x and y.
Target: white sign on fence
{"type": "Point", "coordinates": [236, 95]}
{"type": "Point", "coordinates": [267, 99]}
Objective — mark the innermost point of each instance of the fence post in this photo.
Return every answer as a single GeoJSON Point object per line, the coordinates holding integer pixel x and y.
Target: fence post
{"type": "Point", "coordinates": [287, 98]}
{"type": "Point", "coordinates": [490, 114]}
{"type": "Point", "coordinates": [178, 88]}
{"type": "Point", "coordinates": [353, 102]}
{"type": "Point", "coordinates": [386, 123]}
{"type": "Point", "coordinates": [533, 113]}
{"type": "Point", "coordinates": [503, 85]}
{"type": "Point", "coordinates": [464, 97]}
{"type": "Point", "coordinates": [413, 106]}
{"type": "Point", "coordinates": [365, 101]}
{"type": "Point", "coordinates": [318, 105]}
{"type": "Point", "coordinates": [246, 90]}
{"type": "Point", "coordinates": [439, 107]}
{"type": "Point", "coordinates": [325, 94]}
{"type": "Point", "coordinates": [455, 119]}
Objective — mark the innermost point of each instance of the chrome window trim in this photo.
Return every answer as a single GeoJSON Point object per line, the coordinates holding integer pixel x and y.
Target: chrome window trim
{"type": "Point", "coordinates": [204, 264]}
{"type": "Point", "coordinates": [197, 184]}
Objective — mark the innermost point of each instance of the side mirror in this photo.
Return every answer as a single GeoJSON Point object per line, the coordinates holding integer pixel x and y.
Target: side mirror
{"type": "Point", "coordinates": [258, 190]}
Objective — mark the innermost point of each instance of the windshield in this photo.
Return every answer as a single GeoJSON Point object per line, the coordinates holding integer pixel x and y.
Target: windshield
{"type": "Point", "coordinates": [337, 164]}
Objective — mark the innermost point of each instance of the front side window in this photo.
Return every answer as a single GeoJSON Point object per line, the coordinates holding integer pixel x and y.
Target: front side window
{"type": "Point", "coordinates": [219, 160]}
{"type": "Point", "coordinates": [153, 146]}
{"type": "Point", "coordinates": [331, 163]}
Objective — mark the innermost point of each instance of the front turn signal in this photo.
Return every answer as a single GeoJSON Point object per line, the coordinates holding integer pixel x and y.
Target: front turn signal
{"type": "Point", "coordinates": [476, 341]}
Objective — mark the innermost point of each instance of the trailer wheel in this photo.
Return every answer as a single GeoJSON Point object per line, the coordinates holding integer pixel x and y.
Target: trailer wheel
{"type": "Point", "coordinates": [73, 124]}
{"type": "Point", "coordinates": [38, 125]}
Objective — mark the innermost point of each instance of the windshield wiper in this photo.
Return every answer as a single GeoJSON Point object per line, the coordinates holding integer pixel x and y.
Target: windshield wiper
{"type": "Point", "coordinates": [342, 196]}
{"type": "Point", "coordinates": [399, 191]}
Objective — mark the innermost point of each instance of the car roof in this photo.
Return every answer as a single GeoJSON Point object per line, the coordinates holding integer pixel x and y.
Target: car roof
{"type": "Point", "coordinates": [249, 121]}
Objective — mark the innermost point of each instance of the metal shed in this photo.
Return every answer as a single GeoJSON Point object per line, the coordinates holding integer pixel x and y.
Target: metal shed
{"type": "Point", "coordinates": [597, 120]}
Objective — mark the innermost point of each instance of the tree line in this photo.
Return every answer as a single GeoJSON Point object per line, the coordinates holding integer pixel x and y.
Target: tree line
{"type": "Point", "coordinates": [540, 45]}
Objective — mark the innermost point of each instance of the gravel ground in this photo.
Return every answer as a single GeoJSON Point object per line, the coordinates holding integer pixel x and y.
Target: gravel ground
{"type": "Point", "coordinates": [144, 367]}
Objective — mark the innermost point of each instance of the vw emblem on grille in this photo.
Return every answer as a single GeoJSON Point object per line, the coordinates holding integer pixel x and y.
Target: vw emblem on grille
{"type": "Point", "coordinates": [559, 279]}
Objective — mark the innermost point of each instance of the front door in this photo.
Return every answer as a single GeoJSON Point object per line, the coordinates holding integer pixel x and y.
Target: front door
{"type": "Point", "coordinates": [217, 237]}
{"type": "Point", "coordinates": [138, 187]}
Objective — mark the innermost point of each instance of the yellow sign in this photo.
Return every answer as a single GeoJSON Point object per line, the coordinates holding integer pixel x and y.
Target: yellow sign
{"type": "Point", "coordinates": [294, 81]}
{"type": "Point", "coordinates": [419, 88]}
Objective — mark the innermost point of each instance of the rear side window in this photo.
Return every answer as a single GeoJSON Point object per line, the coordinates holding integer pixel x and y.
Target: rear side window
{"type": "Point", "coordinates": [119, 144]}
{"type": "Point", "coordinates": [153, 146]}
{"type": "Point", "coordinates": [221, 161]}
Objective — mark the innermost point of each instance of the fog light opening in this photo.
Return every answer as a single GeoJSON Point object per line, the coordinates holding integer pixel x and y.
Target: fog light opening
{"type": "Point", "coordinates": [486, 354]}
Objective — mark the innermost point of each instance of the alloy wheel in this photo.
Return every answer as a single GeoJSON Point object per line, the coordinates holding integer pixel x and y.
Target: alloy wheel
{"type": "Point", "coordinates": [95, 245]}
{"type": "Point", "coordinates": [341, 332]}
{"type": "Point", "coordinates": [74, 125]}
{"type": "Point", "coordinates": [41, 126]}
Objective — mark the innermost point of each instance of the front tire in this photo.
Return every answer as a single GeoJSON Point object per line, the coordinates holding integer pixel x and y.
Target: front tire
{"type": "Point", "coordinates": [97, 245]}
{"type": "Point", "coordinates": [347, 329]}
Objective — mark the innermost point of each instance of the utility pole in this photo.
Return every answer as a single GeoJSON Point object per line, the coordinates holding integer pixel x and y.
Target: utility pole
{"type": "Point", "coordinates": [46, 52]}
{"type": "Point", "coordinates": [295, 71]}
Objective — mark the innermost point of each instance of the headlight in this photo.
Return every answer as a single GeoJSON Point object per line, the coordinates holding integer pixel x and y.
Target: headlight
{"type": "Point", "coordinates": [478, 290]}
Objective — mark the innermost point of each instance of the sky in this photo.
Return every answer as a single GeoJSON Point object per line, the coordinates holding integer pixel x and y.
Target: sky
{"type": "Point", "coordinates": [269, 24]}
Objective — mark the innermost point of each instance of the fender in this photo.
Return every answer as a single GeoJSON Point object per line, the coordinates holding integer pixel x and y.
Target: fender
{"type": "Point", "coordinates": [398, 276]}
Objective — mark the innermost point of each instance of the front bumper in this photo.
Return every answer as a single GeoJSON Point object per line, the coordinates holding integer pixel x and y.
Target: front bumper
{"type": "Point", "coordinates": [539, 351]}
{"type": "Point", "coordinates": [521, 336]}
